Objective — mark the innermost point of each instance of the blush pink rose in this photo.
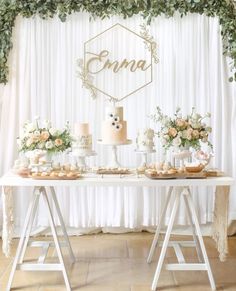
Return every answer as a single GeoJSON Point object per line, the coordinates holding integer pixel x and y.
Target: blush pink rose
{"type": "Point", "coordinates": [44, 135]}
{"type": "Point", "coordinates": [58, 142]}
{"type": "Point", "coordinates": [172, 132]}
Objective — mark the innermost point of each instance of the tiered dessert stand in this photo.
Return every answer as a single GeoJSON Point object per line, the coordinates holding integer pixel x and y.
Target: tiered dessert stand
{"type": "Point", "coordinates": [144, 156]}
{"type": "Point", "coordinates": [114, 163]}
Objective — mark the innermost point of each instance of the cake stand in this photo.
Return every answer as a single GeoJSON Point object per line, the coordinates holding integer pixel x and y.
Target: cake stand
{"type": "Point", "coordinates": [144, 156]}
{"type": "Point", "coordinates": [114, 159]}
{"type": "Point", "coordinates": [81, 158]}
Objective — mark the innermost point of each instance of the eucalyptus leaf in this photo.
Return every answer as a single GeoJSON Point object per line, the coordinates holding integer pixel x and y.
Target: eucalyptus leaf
{"type": "Point", "coordinates": [149, 9]}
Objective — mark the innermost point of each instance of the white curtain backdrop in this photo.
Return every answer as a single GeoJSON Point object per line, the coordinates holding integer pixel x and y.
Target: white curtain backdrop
{"type": "Point", "coordinates": [192, 72]}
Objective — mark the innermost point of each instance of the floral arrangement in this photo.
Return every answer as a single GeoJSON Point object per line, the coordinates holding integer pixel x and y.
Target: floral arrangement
{"type": "Point", "coordinates": [46, 138]}
{"type": "Point", "coordinates": [180, 131]}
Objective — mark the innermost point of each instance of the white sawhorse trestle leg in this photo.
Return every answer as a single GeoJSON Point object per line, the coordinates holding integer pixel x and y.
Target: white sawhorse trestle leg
{"type": "Point", "coordinates": [198, 242]}
{"type": "Point", "coordinates": [18, 263]}
{"type": "Point", "coordinates": [157, 233]}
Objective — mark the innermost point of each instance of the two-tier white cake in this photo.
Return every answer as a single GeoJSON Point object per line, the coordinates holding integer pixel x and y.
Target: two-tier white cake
{"type": "Point", "coordinates": [145, 140]}
{"type": "Point", "coordinates": [114, 128]}
{"type": "Point", "coordinates": [83, 143]}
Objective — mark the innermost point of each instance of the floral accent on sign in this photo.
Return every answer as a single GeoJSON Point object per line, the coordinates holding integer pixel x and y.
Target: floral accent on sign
{"type": "Point", "coordinates": [86, 78]}
{"type": "Point", "coordinates": [149, 42]}
{"type": "Point", "coordinates": [181, 131]}
{"type": "Point", "coordinates": [35, 137]}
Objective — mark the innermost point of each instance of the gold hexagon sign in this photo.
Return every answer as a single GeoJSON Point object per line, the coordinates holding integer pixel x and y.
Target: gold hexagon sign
{"type": "Point", "coordinates": [118, 62]}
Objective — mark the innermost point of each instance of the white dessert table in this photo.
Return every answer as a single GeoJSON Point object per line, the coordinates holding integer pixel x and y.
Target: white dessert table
{"type": "Point", "coordinates": [176, 188]}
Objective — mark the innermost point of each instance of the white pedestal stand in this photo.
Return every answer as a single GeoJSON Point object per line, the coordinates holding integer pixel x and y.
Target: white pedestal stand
{"type": "Point", "coordinates": [81, 158]}
{"type": "Point", "coordinates": [114, 163]}
{"type": "Point", "coordinates": [144, 156]}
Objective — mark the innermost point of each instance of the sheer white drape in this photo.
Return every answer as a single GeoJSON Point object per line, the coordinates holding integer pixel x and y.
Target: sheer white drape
{"type": "Point", "coordinates": [191, 72]}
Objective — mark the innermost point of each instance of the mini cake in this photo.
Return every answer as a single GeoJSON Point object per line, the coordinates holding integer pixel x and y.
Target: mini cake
{"type": "Point", "coordinates": [114, 128]}
{"type": "Point", "coordinates": [83, 143]}
{"type": "Point", "coordinates": [145, 140]}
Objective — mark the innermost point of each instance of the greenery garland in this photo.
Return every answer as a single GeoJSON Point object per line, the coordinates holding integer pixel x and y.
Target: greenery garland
{"type": "Point", "coordinates": [149, 9]}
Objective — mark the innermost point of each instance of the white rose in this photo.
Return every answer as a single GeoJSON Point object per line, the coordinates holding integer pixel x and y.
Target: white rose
{"type": "Point", "coordinates": [166, 137]}
{"type": "Point", "coordinates": [41, 145]}
{"type": "Point", "coordinates": [195, 124]}
{"type": "Point", "coordinates": [165, 130]}
{"type": "Point", "coordinates": [30, 127]}
{"type": "Point", "coordinates": [184, 134]}
{"type": "Point", "coordinates": [29, 142]}
{"type": "Point", "coordinates": [196, 116]}
{"type": "Point", "coordinates": [163, 141]}
{"type": "Point", "coordinates": [177, 141]}
{"type": "Point", "coordinates": [53, 131]}
{"type": "Point", "coordinates": [180, 134]}
{"type": "Point", "coordinates": [36, 133]}
{"type": "Point", "coordinates": [49, 145]}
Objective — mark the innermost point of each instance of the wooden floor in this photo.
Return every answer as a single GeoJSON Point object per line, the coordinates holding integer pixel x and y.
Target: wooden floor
{"type": "Point", "coordinates": [110, 262]}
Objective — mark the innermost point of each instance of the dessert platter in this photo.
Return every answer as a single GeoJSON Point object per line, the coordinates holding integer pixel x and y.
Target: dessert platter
{"type": "Point", "coordinates": [54, 175]}
{"type": "Point", "coordinates": [166, 171]}
{"type": "Point", "coordinates": [173, 174]}
{"type": "Point", "coordinates": [56, 172]}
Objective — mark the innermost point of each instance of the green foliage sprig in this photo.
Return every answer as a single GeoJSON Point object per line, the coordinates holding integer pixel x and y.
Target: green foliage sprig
{"type": "Point", "coordinates": [149, 9]}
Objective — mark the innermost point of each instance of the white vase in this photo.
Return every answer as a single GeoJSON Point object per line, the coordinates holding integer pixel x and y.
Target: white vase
{"type": "Point", "coordinates": [37, 156]}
